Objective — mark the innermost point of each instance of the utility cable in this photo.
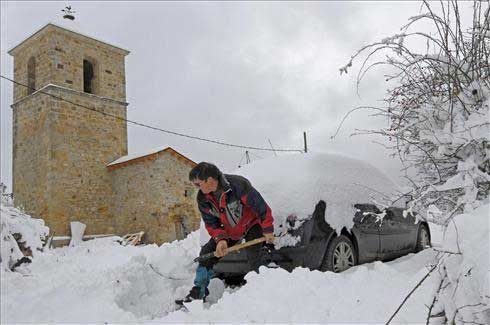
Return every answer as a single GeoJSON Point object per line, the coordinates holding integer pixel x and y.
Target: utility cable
{"type": "Point", "coordinates": [149, 126]}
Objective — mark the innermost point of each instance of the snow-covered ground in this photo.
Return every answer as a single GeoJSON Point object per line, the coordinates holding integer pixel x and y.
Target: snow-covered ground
{"type": "Point", "coordinates": [102, 281]}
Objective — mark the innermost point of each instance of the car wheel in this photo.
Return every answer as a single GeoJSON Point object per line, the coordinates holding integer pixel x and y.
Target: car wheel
{"type": "Point", "coordinates": [235, 281]}
{"type": "Point", "coordinates": [423, 238]}
{"type": "Point", "coordinates": [340, 255]}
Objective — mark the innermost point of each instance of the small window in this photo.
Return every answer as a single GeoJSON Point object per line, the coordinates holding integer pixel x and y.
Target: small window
{"type": "Point", "coordinates": [31, 75]}
{"type": "Point", "coordinates": [88, 76]}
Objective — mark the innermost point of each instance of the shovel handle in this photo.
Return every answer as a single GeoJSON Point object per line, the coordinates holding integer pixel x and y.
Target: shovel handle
{"type": "Point", "coordinates": [231, 249]}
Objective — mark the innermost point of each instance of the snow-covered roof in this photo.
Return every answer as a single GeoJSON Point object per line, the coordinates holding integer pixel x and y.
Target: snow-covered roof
{"type": "Point", "coordinates": [147, 155]}
{"type": "Point", "coordinates": [294, 184]}
{"type": "Point", "coordinates": [51, 25]}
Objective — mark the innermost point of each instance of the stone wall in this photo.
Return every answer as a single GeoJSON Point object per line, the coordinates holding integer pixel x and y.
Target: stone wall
{"type": "Point", "coordinates": [154, 195]}
{"type": "Point", "coordinates": [60, 154]}
{"type": "Point", "coordinates": [39, 49]}
{"type": "Point", "coordinates": [31, 155]}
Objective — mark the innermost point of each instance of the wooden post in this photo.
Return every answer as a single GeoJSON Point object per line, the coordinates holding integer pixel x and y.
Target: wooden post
{"type": "Point", "coordinates": [306, 146]}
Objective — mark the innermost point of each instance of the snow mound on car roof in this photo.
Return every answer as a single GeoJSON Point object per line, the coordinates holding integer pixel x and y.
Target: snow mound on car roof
{"type": "Point", "coordinates": [293, 185]}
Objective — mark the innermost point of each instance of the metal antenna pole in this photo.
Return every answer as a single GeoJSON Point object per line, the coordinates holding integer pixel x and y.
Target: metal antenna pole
{"type": "Point", "coordinates": [306, 146]}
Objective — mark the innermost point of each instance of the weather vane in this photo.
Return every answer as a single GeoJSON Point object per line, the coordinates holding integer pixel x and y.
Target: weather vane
{"type": "Point", "coordinates": [68, 13]}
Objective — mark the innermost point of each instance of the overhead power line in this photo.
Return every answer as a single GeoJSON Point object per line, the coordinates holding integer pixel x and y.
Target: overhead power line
{"type": "Point", "coordinates": [149, 126]}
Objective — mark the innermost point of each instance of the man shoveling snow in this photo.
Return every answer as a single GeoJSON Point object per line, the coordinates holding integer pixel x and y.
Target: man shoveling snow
{"type": "Point", "coordinates": [232, 209]}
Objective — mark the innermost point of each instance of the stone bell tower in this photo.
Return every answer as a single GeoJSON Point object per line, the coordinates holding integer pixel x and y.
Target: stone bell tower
{"type": "Point", "coordinates": [60, 149]}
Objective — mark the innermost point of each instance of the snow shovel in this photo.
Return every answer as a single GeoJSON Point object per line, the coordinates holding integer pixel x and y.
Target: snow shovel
{"type": "Point", "coordinates": [231, 249]}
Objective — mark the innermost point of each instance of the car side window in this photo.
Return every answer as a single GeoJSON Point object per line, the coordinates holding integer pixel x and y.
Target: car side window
{"type": "Point", "coordinates": [366, 214]}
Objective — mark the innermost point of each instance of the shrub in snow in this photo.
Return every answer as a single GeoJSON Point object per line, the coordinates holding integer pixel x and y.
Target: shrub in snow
{"type": "Point", "coordinates": [438, 110]}
{"type": "Point", "coordinates": [439, 124]}
{"type": "Point", "coordinates": [20, 235]}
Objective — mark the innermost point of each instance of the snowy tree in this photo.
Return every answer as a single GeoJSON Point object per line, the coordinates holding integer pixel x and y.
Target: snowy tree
{"type": "Point", "coordinates": [438, 125]}
{"type": "Point", "coordinates": [438, 110]}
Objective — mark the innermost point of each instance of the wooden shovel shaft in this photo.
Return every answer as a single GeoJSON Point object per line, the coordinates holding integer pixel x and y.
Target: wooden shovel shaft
{"type": "Point", "coordinates": [232, 248]}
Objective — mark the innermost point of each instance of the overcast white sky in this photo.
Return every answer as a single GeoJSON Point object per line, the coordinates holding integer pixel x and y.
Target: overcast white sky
{"type": "Point", "coordinates": [242, 73]}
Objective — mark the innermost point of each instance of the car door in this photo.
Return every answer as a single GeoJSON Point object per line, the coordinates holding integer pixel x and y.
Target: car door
{"type": "Point", "coordinates": [366, 230]}
{"type": "Point", "coordinates": [394, 234]}
{"type": "Point", "coordinates": [411, 226]}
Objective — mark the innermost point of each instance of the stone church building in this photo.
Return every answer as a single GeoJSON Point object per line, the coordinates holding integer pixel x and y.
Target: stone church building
{"type": "Point", "coordinates": [70, 148]}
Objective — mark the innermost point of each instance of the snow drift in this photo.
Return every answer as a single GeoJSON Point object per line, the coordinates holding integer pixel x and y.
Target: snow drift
{"type": "Point", "coordinates": [101, 281]}
{"type": "Point", "coordinates": [30, 230]}
{"type": "Point", "coordinates": [464, 277]}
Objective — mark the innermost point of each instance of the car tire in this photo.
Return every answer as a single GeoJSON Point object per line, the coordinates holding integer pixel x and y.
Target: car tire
{"type": "Point", "coordinates": [423, 238]}
{"type": "Point", "coordinates": [340, 255]}
{"type": "Point", "coordinates": [235, 281]}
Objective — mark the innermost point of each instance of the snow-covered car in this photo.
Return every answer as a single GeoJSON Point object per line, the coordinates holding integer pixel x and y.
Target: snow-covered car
{"type": "Point", "coordinates": [330, 213]}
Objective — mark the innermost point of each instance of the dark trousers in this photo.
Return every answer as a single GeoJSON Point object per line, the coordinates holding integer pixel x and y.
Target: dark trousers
{"type": "Point", "coordinates": [253, 252]}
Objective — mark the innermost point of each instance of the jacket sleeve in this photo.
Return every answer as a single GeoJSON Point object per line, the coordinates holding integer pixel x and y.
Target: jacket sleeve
{"type": "Point", "coordinates": [256, 202]}
{"type": "Point", "coordinates": [212, 223]}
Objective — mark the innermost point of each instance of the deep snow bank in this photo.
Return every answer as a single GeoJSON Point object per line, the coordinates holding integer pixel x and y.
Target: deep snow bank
{"type": "Point", "coordinates": [372, 292]}
{"type": "Point", "coordinates": [465, 268]}
{"type": "Point", "coordinates": [99, 281]}
{"type": "Point", "coordinates": [368, 293]}
{"type": "Point", "coordinates": [31, 231]}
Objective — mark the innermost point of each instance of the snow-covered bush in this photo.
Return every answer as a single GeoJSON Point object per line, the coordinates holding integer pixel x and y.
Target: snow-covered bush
{"type": "Point", "coordinates": [439, 127]}
{"type": "Point", "coordinates": [18, 228]}
{"type": "Point", "coordinates": [438, 108]}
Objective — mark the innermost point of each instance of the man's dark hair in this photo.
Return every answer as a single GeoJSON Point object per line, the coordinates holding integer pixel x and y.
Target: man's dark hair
{"type": "Point", "coordinates": [203, 170]}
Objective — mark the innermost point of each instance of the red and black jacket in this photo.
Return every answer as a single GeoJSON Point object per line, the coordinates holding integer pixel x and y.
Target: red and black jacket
{"type": "Point", "coordinates": [235, 211]}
